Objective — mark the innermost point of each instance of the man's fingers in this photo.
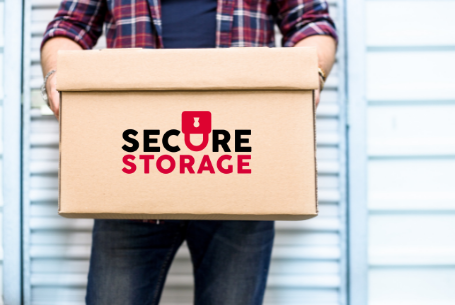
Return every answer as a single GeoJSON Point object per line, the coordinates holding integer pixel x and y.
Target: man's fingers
{"type": "Point", "coordinates": [54, 103]}
{"type": "Point", "coordinates": [317, 96]}
{"type": "Point", "coordinates": [54, 97]}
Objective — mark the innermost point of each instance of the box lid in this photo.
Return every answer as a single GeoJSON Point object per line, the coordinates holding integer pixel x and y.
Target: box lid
{"type": "Point", "coordinates": [188, 69]}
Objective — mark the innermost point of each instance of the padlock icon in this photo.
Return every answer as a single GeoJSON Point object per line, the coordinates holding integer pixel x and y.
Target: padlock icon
{"type": "Point", "coordinates": [196, 122]}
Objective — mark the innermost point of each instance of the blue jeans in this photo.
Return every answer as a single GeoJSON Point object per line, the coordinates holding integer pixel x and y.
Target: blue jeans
{"type": "Point", "coordinates": [130, 260]}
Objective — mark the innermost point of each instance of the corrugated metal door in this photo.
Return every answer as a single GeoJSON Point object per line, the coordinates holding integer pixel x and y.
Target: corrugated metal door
{"type": "Point", "coordinates": [411, 150]}
{"type": "Point", "coordinates": [309, 257]}
{"type": "Point", "coordinates": [1, 146]}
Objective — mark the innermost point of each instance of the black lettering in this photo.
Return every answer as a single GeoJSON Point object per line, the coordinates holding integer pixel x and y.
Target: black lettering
{"type": "Point", "coordinates": [238, 140]}
{"type": "Point", "coordinates": [148, 141]}
{"type": "Point", "coordinates": [223, 142]}
{"type": "Point", "coordinates": [126, 136]}
{"type": "Point", "coordinates": [172, 132]}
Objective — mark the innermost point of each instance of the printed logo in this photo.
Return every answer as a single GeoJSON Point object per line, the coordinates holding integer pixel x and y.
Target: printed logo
{"type": "Point", "coordinates": [196, 122]}
{"type": "Point", "coordinates": [193, 122]}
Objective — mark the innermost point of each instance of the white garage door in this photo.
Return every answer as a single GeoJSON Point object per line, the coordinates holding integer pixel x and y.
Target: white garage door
{"type": "Point", "coordinates": [309, 264]}
{"type": "Point", "coordinates": [411, 151]}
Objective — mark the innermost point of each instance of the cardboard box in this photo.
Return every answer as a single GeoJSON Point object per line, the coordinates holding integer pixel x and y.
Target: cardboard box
{"type": "Point", "coordinates": [144, 134]}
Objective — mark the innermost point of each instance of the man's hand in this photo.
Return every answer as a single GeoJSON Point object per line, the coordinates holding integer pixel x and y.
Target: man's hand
{"type": "Point", "coordinates": [317, 97]}
{"type": "Point", "coordinates": [326, 47]}
{"type": "Point", "coordinates": [49, 63]}
{"type": "Point", "coordinates": [53, 95]}
{"type": "Point", "coordinates": [317, 92]}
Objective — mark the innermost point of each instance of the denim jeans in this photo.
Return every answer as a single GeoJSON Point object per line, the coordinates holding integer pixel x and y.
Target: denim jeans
{"type": "Point", "coordinates": [130, 260]}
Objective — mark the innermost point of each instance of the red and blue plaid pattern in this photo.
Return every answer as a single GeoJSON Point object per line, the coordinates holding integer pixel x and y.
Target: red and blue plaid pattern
{"type": "Point", "coordinates": [240, 23]}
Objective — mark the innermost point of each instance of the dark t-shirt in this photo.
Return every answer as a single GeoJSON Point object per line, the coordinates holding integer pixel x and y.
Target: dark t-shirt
{"type": "Point", "coordinates": [188, 23]}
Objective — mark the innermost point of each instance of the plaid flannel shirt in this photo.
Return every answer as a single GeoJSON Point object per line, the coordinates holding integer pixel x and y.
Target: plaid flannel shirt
{"type": "Point", "coordinates": [240, 23]}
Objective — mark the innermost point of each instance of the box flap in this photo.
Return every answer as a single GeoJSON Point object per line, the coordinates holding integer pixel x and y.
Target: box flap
{"type": "Point", "coordinates": [188, 69]}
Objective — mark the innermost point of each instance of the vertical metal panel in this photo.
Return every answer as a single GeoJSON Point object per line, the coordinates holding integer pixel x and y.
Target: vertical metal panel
{"type": "Point", "coordinates": [12, 153]}
{"type": "Point", "coordinates": [343, 157]}
{"type": "Point", "coordinates": [26, 292]}
{"type": "Point", "coordinates": [1, 144]}
{"type": "Point", "coordinates": [357, 110]}
{"type": "Point", "coordinates": [411, 152]}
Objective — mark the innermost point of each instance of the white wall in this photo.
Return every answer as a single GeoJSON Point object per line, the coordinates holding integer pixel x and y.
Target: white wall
{"type": "Point", "coordinates": [411, 151]}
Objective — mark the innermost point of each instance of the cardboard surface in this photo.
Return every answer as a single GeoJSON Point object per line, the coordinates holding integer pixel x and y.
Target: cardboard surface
{"type": "Point", "coordinates": [188, 69]}
{"type": "Point", "coordinates": [276, 180]}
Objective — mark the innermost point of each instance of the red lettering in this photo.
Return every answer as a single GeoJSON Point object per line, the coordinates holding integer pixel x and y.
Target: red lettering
{"type": "Point", "coordinates": [206, 165]}
{"type": "Point", "coordinates": [241, 164]}
{"type": "Point", "coordinates": [163, 170]}
{"type": "Point", "coordinates": [126, 161]}
{"type": "Point", "coordinates": [219, 164]}
{"type": "Point", "coordinates": [146, 159]}
{"type": "Point", "coordinates": [188, 165]}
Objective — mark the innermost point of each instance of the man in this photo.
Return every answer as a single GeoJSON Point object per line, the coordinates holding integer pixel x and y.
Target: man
{"type": "Point", "coordinates": [130, 259]}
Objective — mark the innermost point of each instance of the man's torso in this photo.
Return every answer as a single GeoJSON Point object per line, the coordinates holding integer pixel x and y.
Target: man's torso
{"type": "Point", "coordinates": [237, 23]}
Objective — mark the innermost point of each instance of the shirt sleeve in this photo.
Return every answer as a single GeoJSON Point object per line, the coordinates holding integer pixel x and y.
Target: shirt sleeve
{"type": "Point", "coordinates": [298, 19]}
{"type": "Point", "coordinates": [79, 20]}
